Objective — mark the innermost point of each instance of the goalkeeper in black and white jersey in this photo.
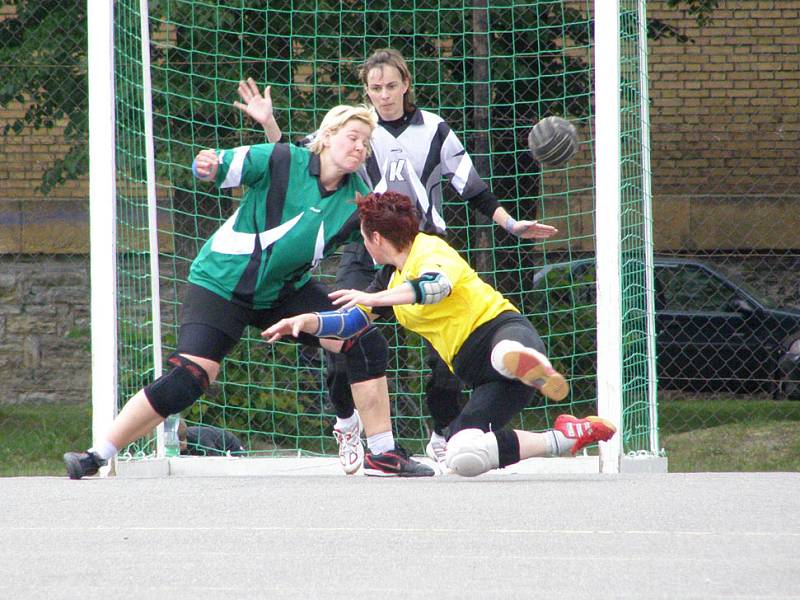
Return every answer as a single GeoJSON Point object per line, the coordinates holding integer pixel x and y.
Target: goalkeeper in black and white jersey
{"type": "Point", "coordinates": [412, 150]}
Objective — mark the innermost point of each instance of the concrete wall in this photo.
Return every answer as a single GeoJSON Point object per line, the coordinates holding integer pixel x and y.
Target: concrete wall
{"type": "Point", "coordinates": [44, 329]}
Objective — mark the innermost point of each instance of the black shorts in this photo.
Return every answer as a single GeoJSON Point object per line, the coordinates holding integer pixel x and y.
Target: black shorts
{"type": "Point", "coordinates": [473, 363]}
{"type": "Point", "coordinates": [212, 325]}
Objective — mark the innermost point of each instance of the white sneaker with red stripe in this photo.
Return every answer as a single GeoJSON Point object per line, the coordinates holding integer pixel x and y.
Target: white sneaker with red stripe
{"type": "Point", "coordinates": [351, 450]}
{"type": "Point", "coordinates": [584, 431]}
{"type": "Point", "coordinates": [531, 367]}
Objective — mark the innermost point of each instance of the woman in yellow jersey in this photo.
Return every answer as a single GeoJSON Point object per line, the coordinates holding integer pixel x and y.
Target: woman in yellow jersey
{"type": "Point", "coordinates": [481, 336]}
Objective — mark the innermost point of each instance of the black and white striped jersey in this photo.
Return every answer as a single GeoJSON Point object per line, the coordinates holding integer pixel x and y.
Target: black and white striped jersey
{"type": "Point", "coordinates": [413, 154]}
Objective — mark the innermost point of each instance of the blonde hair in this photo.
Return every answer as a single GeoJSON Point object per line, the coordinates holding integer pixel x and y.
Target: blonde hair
{"type": "Point", "coordinates": [337, 117]}
{"type": "Point", "coordinates": [392, 58]}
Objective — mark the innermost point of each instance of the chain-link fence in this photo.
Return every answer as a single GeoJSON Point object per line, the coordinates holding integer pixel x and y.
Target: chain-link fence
{"type": "Point", "coordinates": [724, 142]}
{"type": "Point", "coordinates": [44, 235]}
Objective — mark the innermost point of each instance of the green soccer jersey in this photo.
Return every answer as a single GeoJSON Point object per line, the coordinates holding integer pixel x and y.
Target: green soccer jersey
{"type": "Point", "coordinates": [285, 224]}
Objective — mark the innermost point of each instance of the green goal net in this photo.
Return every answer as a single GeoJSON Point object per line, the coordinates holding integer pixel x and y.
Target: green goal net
{"type": "Point", "coordinates": [490, 70]}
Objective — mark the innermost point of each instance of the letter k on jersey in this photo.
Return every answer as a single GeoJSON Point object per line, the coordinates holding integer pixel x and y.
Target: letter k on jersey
{"type": "Point", "coordinates": [396, 170]}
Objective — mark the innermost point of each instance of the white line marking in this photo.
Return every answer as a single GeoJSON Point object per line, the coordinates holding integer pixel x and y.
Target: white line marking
{"type": "Point", "coordinates": [436, 530]}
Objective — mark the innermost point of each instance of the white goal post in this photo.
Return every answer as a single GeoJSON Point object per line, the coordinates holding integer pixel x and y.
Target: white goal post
{"type": "Point", "coordinates": [607, 220]}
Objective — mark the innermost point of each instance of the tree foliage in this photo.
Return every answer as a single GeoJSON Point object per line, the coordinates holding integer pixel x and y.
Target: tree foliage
{"type": "Point", "coordinates": [43, 48]}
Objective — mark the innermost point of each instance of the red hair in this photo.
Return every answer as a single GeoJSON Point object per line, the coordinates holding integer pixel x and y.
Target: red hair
{"type": "Point", "coordinates": [391, 214]}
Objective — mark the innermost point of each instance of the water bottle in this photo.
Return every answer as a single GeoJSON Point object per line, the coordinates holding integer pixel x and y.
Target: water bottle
{"type": "Point", "coordinates": [172, 445]}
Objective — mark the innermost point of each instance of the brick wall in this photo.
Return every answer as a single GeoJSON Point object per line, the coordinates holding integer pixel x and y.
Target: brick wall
{"type": "Point", "coordinates": [29, 221]}
{"type": "Point", "coordinates": [725, 128]}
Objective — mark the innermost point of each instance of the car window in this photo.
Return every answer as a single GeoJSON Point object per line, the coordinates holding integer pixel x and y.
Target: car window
{"type": "Point", "coordinates": [681, 288]}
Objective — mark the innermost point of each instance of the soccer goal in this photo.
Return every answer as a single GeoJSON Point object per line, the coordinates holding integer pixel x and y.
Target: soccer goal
{"type": "Point", "coordinates": [163, 80]}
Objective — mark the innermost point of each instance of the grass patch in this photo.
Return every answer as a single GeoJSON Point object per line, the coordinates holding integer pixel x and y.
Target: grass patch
{"type": "Point", "coordinates": [730, 434]}
{"type": "Point", "coordinates": [679, 416]}
{"type": "Point", "coordinates": [33, 437]}
{"type": "Point", "coordinates": [735, 447]}
{"type": "Point", "coordinates": [720, 434]}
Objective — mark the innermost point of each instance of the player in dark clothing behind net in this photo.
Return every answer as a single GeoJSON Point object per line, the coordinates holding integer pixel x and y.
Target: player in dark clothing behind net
{"type": "Point", "coordinates": [485, 341]}
{"type": "Point", "coordinates": [255, 270]}
{"type": "Point", "coordinates": [412, 150]}
{"type": "Point", "coordinates": [207, 440]}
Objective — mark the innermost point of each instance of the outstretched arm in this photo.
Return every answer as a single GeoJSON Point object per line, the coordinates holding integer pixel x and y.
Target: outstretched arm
{"type": "Point", "coordinates": [466, 181]}
{"type": "Point", "coordinates": [429, 288]}
{"type": "Point", "coordinates": [523, 229]}
{"type": "Point", "coordinates": [294, 326]}
{"type": "Point", "coordinates": [339, 324]}
{"type": "Point", "coordinates": [258, 107]}
{"type": "Point", "coordinates": [402, 294]}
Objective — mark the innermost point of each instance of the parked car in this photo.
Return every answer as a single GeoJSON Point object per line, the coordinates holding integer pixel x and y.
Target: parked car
{"type": "Point", "coordinates": [713, 331]}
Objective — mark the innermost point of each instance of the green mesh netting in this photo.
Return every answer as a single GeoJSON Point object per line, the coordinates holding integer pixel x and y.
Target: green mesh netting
{"type": "Point", "coordinates": [490, 71]}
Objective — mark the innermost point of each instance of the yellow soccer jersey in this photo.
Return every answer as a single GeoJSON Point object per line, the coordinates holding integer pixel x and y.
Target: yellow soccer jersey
{"type": "Point", "coordinates": [472, 302]}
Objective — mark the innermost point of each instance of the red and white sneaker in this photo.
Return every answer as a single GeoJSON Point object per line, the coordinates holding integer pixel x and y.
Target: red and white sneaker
{"type": "Point", "coordinates": [584, 431]}
{"type": "Point", "coordinates": [351, 450]}
{"type": "Point", "coordinates": [531, 367]}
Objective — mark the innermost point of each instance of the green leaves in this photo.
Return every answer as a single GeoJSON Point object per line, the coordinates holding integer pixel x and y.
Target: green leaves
{"type": "Point", "coordinates": [47, 44]}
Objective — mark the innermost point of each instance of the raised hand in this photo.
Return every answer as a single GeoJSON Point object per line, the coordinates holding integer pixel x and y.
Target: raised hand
{"type": "Point", "coordinates": [256, 106]}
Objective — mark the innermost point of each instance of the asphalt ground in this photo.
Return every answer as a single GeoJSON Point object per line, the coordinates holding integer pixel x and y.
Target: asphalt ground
{"type": "Point", "coordinates": [729, 535]}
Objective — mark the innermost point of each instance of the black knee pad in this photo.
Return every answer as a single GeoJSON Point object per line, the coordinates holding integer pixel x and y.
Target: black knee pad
{"type": "Point", "coordinates": [507, 447]}
{"type": "Point", "coordinates": [367, 356]}
{"type": "Point", "coordinates": [177, 389]}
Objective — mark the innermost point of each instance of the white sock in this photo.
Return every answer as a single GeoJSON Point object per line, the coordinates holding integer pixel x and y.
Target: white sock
{"type": "Point", "coordinates": [380, 442]}
{"type": "Point", "coordinates": [104, 449]}
{"type": "Point", "coordinates": [557, 443]}
{"type": "Point", "coordinates": [348, 424]}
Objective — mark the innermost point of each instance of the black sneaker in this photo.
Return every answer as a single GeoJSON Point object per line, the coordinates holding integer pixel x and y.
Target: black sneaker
{"type": "Point", "coordinates": [395, 463]}
{"type": "Point", "coordinates": [82, 464]}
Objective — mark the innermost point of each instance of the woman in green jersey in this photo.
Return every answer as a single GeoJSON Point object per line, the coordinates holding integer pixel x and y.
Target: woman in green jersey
{"type": "Point", "coordinates": [255, 270]}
